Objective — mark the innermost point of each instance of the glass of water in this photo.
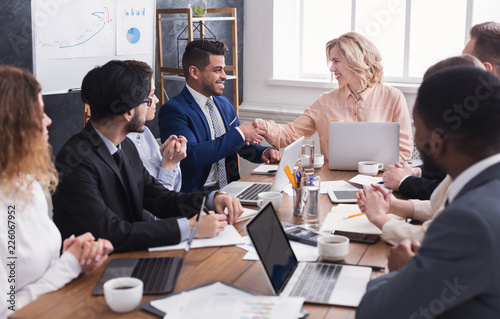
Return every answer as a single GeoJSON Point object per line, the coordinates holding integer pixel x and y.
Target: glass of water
{"type": "Point", "coordinates": [307, 156]}
{"type": "Point", "coordinates": [310, 197]}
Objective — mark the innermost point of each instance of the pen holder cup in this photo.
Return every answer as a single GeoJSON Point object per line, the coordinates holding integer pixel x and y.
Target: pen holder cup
{"type": "Point", "coordinates": [297, 203]}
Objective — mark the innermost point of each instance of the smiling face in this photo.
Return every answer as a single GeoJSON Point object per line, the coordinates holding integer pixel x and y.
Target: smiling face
{"type": "Point", "coordinates": [151, 111]}
{"type": "Point", "coordinates": [342, 74]}
{"type": "Point", "coordinates": [211, 79]}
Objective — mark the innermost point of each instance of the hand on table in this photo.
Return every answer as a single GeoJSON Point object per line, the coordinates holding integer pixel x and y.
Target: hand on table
{"type": "Point", "coordinates": [89, 252]}
{"type": "Point", "coordinates": [271, 155]}
{"type": "Point", "coordinates": [394, 174]}
{"type": "Point", "coordinates": [210, 225]}
{"type": "Point", "coordinates": [233, 205]}
{"type": "Point", "coordinates": [401, 254]}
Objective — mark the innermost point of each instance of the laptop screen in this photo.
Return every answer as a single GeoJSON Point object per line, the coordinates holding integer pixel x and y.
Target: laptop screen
{"type": "Point", "coordinates": [272, 246]}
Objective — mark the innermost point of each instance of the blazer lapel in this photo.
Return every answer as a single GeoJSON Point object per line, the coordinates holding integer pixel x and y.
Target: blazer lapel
{"type": "Point", "coordinates": [197, 108]}
{"type": "Point", "coordinates": [483, 177]}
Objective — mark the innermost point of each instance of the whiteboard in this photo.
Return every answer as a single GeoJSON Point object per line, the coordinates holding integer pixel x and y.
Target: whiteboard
{"type": "Point", "coordinates": [71, 37]}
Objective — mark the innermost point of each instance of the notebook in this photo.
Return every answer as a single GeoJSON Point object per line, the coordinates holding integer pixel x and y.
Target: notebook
{"type": "Point", "coordinates": [247, 192]}
{"type": "Point", "coordinates": [323, 283]}
{"type": "Point", "coordinates": [352, 142]}
{"type": "Point", "coordinates": [158, 274]}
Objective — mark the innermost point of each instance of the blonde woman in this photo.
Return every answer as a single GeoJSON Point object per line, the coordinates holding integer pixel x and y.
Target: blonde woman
{"type": "Point", "coordinates": [361, 97]}
{"type": "Point", "coordinates": [30, 243]}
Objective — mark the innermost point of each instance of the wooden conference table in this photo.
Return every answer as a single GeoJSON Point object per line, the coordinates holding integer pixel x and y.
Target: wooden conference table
{"type": "Point", "coordinates": [204, 265]}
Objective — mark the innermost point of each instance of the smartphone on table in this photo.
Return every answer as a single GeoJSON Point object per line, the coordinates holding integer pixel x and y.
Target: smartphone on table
{"type": "Point", "coordinates": [359, 237]}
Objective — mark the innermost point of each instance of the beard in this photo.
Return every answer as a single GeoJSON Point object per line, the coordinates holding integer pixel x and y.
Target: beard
{"type": "Point", "coordinates": [135, 124]}
{"type": "Point", "coordinates": [429, 164]}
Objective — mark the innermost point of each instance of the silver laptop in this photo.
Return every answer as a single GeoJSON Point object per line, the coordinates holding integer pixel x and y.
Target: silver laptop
{"type": "Point", "coordinates": [158, 274]}
{"type": "Point", "coordinates": [247, 192]}
{"type": "Point", "coordinates": [351, 142]}
{"type": "Point", "coordinates": [322, 283]}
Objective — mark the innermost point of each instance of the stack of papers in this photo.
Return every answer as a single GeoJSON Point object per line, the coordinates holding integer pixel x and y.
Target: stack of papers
{"type": "Point", "coordinates": [219, 300]}
{"type": "Point", "coordinates": [229, 236]}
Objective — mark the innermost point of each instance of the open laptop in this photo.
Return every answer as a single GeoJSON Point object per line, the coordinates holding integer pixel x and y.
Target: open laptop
{"type": "Point", "coordinates": [158, 274]}
{"type": "Point", "coordinates": [322, 283]}
{"type": "Point", "coordinates": [247, 192]}
{"type": "Point", "coordinates": [351, 142]}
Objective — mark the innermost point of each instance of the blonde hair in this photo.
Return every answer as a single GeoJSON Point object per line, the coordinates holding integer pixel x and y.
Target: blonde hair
{"type": "Point", "coordinates": [24, 152]}
{"type": "Point", "coordinates": [360, 56]}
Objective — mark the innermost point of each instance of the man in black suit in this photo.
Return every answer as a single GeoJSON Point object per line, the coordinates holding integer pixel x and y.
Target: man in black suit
{"type": "Point", "coordinates": [103, 185]}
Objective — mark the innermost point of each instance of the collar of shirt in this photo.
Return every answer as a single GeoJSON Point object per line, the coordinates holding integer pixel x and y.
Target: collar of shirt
{"type": "Point", "coordinates": [111, 147]}
{"type": "Point", "coordinates": [198, 97]}
{"type": "Point", "coordinates": [362, 96]}
{"type": "Point", "coordinates": [471, 172]}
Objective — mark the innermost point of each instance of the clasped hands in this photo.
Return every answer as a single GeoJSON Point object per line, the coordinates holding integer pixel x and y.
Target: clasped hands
{"type": "Point", "coordinates": [173, 151]}
{"type": "Point", "coordinates": [89, 252]}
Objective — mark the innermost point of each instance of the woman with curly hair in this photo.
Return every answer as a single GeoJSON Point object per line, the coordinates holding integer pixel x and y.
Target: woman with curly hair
{"type": "Point", "coordinates": [30, 243]}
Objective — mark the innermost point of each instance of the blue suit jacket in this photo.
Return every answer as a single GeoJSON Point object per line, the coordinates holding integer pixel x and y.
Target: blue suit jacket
{"type": "Point", "coordinates": [181, 115]}
{"type": "Point", "coordinates": [456, 273]}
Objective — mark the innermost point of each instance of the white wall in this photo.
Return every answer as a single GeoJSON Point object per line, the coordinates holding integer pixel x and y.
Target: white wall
{"type": "Point", "coordinates": [264, 94]}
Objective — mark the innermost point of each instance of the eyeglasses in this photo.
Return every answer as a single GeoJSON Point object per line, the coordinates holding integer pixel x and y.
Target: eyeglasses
{"type": "Point", "coordinates": [148, 102]}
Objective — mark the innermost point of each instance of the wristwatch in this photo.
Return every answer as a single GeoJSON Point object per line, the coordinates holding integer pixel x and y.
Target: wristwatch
{"type": "Point", "coordinates": [219, 192]}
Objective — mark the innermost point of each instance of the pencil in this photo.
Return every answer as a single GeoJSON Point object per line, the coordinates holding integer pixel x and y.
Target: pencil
{"type": "Point", "coordinates": [351, 216]}
{"type": "Point", "coordinates": [290, 176]}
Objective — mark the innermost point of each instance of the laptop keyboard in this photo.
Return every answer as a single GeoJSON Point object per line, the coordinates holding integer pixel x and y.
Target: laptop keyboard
{"type": "Point", "coordinates": [153, 272]}
{"type": "Point", "coordinates": [316, 282]}
{"type": "Point", "coordinates": [252, 192]}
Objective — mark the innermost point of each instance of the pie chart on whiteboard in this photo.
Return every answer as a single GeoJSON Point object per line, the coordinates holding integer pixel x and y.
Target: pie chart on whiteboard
{"type": "Point", "coordinates": [133, 35]}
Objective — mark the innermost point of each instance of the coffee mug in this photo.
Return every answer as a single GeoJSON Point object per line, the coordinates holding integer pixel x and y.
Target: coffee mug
{"type": "Point", "coordinates": [369, 167]}
{"type": "Point", "coordinates": [319, 160]}
{"type": "Point", "coordinates": [274, 197]}
{"type": "Point", "coordinates": [123, 294]}
{"type": "Point", "coordinates": [333, 247]}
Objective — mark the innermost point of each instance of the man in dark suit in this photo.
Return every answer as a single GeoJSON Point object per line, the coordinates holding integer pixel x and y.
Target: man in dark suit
{"type": "Point", "coordinates": [209, 122]}
{"type": "Point", "coordinates": [103, 185]}
{"type": "Point", "coordinates": [456, 271]}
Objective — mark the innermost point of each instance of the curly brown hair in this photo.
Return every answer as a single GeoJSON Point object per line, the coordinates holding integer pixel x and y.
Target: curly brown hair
{"type": "Point", "coordinates": [24, 152]}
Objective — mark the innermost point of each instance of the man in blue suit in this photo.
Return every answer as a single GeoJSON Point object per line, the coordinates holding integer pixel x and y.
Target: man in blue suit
{"type": "Point", "coordinates": [209, 122]}
{"type": "Point", "coordinates": [456, 271]}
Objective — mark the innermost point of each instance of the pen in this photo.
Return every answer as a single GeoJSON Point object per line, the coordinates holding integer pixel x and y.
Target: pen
{"type": "Point", "coordinates": [376, 268]}
{"type": "Point", "coordinates": [272, 171]}
{"type": "Point", "coordinates": [351, 216]}
{"type": "Point", "coordinates": [381, 182]}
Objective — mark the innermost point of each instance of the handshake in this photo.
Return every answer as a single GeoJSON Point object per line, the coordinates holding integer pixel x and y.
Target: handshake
{"type": "Point", "coordinates": [254, 132]}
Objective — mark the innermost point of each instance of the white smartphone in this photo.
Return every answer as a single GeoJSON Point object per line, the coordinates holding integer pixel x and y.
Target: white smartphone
{"type": "Point", "coordinates": [343, 196]}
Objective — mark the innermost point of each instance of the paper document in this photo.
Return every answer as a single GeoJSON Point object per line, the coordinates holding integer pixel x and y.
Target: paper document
{"type": "Point", "coordinates": [302, 251]}
{"type": "Point", "coordinates": [247, 214]}
{"type": "Point", "coordinates": [365, 180]}
{"type": "Point", "coordinates": [335, 220]}
{"type": "Point", "coordinates": [222, 301]}
{"type": "Point", "coordinates": [268, 169]}
{"type": "Point", "coordinates": [229, 236]}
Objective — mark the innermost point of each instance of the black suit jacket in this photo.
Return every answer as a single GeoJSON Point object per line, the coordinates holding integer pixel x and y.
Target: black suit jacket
{"type": "Point", "coordinates": [93, 197]}
{"type": "Point", "coordinates": [421, 187]}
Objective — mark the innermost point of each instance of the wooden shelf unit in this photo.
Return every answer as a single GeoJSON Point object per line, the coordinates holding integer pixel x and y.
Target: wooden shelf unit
{"type": "Point", "coordinates": [170, 73]}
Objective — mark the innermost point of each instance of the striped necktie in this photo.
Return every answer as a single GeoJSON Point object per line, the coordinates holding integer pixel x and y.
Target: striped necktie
{"type": "Point", "coordinates": [221, 164]}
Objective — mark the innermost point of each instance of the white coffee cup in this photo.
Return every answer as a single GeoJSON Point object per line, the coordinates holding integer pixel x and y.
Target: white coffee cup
{"type": "Point", "coordinates": [123, 294]}
{"type": "Point", "coordinates": [274, 197]}
{"type": "Point", "coordinates": [333, 247]}
{"type": "Point", "coordinates": [370, 167]}
{"type": "Point", "coordinates": [319, 160]}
